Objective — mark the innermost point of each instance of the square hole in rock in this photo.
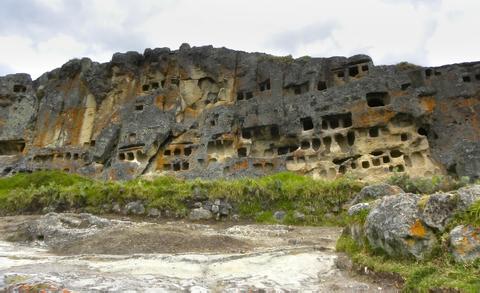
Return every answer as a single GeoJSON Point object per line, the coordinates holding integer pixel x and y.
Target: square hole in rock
{"type": "Point", "coordinates": [242, 152]}
{"type": "Point", "coordinates": [18, 88]}
{"type": "Point", "coordinates": [377, 99]}
{"type": "Point", "coordinates": [307, 123]}
{"type": "Point", "coordinates": [316, 143]}
{"type": "Point", "coordinates": [176, 167]}
{"type": "Point", "coordinates": [321, 85]}
{"type": "Point", "coordinates": [239, 96]}
{"type": "Point", "coordinates": [365, 164]}
{"type": "Point", "coordinates": [466, 78]}
{"type": "Point", "coordinates": [353, 71]}
{"type": "Point", "coordinates": [373, 132]}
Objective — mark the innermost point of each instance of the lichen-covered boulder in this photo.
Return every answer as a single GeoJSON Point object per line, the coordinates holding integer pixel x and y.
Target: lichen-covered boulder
{"type": "Point", "coordinates": [467, 196]}
{"type": "Point", "coordinates": [395, 226]}
{"type": "Point", "coordinates": [375, 191]}
{"type": "Point", "coordinates": [358, 208]}
{"type": "Point", "coordinates": [439, 209]}
{"type": "Point", "coordinates": [465, 243]}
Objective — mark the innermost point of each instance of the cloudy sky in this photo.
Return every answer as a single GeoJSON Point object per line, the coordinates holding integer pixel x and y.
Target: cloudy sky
{"type": "Point", "coordinates": [40, 35]}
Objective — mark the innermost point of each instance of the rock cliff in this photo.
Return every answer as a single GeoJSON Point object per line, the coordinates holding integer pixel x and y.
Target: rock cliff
{"type": "Point", "coordinates": [215, 112]}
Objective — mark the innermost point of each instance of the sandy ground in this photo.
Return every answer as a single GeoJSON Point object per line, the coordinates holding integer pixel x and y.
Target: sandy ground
{"type": "Point", "coordinates": [181, 256]}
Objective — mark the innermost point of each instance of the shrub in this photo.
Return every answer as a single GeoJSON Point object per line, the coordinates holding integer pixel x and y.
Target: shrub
{"type": "Point", "coordinates": [427, 185]}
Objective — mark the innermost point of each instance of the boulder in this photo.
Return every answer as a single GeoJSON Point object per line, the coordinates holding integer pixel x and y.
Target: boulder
{"type": "Point", "coordinates": [279, 215]}
{"type": "Point", "coordinates": [359, 207]}
{"type": "Point", "coordinates": [135, 208]}
{"type": "Point", "coordinates": [396, 227]}
{"type": "Point", "coordinates": [200, 214]}
{"type": "Point", "coordinates": [154, 213]}
{"type": "Point", "coordinates": [299, 216]}
{"type": "Point", "coordinates": [465, 243]}
{"type": "Point", "coordinates": [467, 196]}
{"type": "Point", "coordinates": [375, 191]}
{"type": "Point", "coordinates": [215, 208]}
{"type": "Point", "coordinates": [438, 210]}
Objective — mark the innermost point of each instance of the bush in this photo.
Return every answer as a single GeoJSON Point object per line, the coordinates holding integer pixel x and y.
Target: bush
{"type": "Point", "coordinates": [427, 185]}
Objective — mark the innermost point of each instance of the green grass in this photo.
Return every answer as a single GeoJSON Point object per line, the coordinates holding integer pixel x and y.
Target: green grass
{"type": "Point", "coordinates": [254, 198]}
{"type": "Point", "coordinates": [419, 276]}
{"type": "Point", "coordinates": [469, 217]}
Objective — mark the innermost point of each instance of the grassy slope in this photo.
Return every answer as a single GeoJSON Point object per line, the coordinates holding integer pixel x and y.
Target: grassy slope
{"type": "Point", "coordinates": [255, 198]}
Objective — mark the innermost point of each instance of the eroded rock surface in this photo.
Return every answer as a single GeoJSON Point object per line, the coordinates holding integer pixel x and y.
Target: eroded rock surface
{"type": "Point", "coordinates": [211, 112]}
{"type": "Point", "coordinates": [465, 243]}
{"type": "Point", "coordinates": [412, 225]}
{"type": "Point", "coordinates": [396, 227]}
{"type": "Point", "coordinates": [187, 257]}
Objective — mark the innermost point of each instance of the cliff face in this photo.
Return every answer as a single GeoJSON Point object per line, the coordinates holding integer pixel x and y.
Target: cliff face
{"type": "Point", "coordinates": [206, 112]}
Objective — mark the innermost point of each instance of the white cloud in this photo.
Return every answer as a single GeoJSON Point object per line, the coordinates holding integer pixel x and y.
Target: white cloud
{"type": "Point", "coordinates": [456, 38]}
{"type": "Point", "coordinates": [47, 33]}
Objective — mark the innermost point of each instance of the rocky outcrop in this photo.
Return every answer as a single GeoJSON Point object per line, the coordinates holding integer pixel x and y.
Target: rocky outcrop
{"type": "Point", "coordinates": [396, 227]}
{"type": "Point", "coordinates": [59, 229]}
{"type": "Point", "coordinates": [410, 225]}
{"type": "Point", "coordinates": [207, 112]}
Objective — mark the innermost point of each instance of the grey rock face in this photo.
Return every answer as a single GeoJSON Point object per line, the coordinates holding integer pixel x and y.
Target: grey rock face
{"type": "Point", "coordinates": [376, 191]}
{"type": "Point", "coordinates": [439, 209]}
{"type": "Point", "coordinates": [465, 243]}
{"type": "Point", "coordinates": [468, 195]}
{"type": "Point", "coordinates": [134, 208]}
{"type": "Point", "coordinates": [395, 226]}
{"type": "Point", "coordinates": [210, 113]}
{"type": "Point", "coordinates": [200, 214]}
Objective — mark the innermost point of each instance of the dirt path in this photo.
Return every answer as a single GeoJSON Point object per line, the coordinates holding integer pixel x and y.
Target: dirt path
{"type": "Point", "coordinates": [180, 256]}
